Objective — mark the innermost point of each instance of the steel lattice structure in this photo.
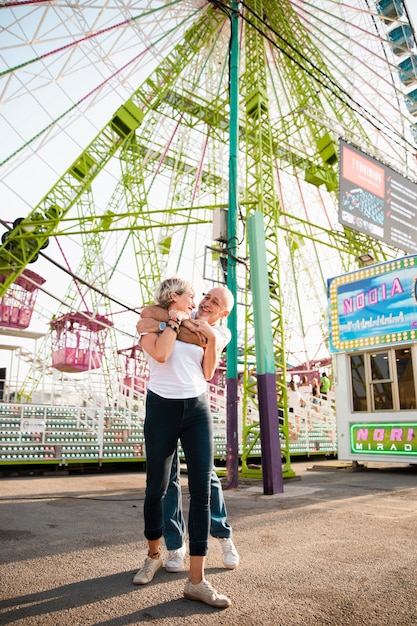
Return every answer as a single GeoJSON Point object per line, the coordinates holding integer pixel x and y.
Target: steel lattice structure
{"type": "Point", "coordinates": [128, 139]}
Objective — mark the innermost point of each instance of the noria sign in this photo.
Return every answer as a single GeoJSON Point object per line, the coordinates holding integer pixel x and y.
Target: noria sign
{"type": "Point", "coordinates": [399, 439]}
{"type": "Point", "coordinates": [374, 306]}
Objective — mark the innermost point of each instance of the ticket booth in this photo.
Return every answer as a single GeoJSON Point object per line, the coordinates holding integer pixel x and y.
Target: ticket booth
{"type": "Point", "coordinates": [373, 340]}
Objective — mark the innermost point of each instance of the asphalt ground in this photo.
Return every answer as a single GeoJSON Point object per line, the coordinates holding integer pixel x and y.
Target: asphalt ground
{"type": "Point", "coordinates": [338, 547]}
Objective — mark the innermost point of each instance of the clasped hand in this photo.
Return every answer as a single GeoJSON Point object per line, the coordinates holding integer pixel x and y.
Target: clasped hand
{"type": "Point", "coordinates": [179, 315]}
{"type": "Point", "coordinates": [201, 328]}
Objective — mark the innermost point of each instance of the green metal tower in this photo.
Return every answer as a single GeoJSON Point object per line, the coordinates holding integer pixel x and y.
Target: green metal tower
{"type": "Point", "coordinates": [141, 196]}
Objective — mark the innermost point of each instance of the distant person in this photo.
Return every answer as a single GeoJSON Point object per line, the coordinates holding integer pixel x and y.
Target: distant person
{"type": "Point", "coordinates": [305, 390]}
{"type": "Point", "coordinates": [315, 392]}
{"type": "Point", "coordinates": [295, 399]}
{"type": "Point", "coordinates": [295, 403]}
{"type": "Point", "coordinates": [324, 385]}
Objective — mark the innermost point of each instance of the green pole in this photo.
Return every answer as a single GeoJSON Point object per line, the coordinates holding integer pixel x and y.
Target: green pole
{"type": "Point", "coordinates": [232, 443]}
{"type": "Point", "coordinates": [265, 358]}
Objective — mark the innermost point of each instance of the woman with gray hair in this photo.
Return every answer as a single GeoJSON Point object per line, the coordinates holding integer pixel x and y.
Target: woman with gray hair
{"type": "Point", "coordinates": [177, 409]}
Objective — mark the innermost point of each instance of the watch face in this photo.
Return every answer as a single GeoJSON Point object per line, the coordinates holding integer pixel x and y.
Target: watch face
{"type": "Point", "coordinates": [162, 326]}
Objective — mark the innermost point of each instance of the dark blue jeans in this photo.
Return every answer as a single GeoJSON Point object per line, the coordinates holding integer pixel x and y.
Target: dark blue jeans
{"type": "Point", "coordinates": [174, 525]}
{"type": "Point", "coordinates": [189, 421]}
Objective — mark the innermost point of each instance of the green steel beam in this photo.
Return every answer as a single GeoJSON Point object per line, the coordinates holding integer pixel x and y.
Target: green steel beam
{"type": "Point", "coordinates": [21, 248]}
{"type": "Point", "coordinates": [232, 457]}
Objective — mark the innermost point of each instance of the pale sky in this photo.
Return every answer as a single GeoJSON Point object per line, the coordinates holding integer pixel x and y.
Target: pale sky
{"type": "Point", "coordinates": [412, 10]}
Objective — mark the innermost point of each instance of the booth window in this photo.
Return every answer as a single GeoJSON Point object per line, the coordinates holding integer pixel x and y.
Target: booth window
{"type": "Point", "coordinates": [383, 380]}
{"type": "Point", "coordinates": [405, 377]}
{"type": "Point", "coordinates": [357, 369]}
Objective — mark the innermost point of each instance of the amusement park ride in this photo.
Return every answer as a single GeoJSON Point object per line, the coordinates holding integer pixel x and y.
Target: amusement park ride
{"type": "Point", "coordinates": [138, 200]}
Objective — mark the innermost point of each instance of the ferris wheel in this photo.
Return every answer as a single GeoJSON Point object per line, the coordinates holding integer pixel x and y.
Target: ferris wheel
{"type": "Point", "coordinates": [115, 151]}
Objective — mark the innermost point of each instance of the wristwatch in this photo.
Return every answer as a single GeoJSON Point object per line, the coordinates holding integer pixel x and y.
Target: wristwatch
{"type": "Point", "coordinates": [162, 326]}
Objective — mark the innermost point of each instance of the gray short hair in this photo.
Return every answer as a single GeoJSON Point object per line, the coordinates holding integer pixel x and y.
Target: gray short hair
{"type": "Point", "coordinates": [170, 286]}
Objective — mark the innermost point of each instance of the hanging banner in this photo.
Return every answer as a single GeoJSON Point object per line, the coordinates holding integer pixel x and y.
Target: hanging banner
{"type": "Point", "coordinates": [376, 200]}
{"type": "Point", "coordinates": [374, 306]}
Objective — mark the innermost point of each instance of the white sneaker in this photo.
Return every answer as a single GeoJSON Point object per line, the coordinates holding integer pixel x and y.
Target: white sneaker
{"type": "Point", "coordinates": [204, 592]}
{"type": "Point", "coordinates": [175, 560]}
{"type": "Point", "coordinates": [147, 571]}
{"type": "Point", "coordinates": [230, 554]}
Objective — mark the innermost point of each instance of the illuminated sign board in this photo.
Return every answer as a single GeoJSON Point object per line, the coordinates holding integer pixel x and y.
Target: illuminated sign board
{"type": "Point", "coordinates": [399, 439]}
{"type": "Point", "coordinates": [374, 306]}
{"type": "Point", "coordinates": [376, 200]}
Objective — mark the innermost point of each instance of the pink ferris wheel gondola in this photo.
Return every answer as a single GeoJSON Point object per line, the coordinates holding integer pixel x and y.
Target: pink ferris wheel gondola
{"type": "Point", "coordinates": [78, 341]}
{"type": "Point", "coordinates": [18, 302]}
{"type": "Point", "coordinates": [135, 370]}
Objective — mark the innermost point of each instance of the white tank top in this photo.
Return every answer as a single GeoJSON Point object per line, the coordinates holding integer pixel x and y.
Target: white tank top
{"type": "Point", "coordinates": [181, 376]}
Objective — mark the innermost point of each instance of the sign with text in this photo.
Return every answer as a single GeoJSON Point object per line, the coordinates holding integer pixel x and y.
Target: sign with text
{"type": "Point", "coordinates": [32, 425]}
{"type": "Point", "coordinates": [376, 200]}
{"type": "Point", "coordinates": [374, 306]}
{"type": "Point", "coordinates": [397, 439]}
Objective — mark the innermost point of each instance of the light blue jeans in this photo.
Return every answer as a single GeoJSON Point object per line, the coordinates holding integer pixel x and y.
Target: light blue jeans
{"type": "Point", "coordinates": [174, 529]}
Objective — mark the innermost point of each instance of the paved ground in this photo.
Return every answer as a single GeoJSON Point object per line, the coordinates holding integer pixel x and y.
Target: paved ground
{"type": "Point", "coordinates": [337, 547]}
